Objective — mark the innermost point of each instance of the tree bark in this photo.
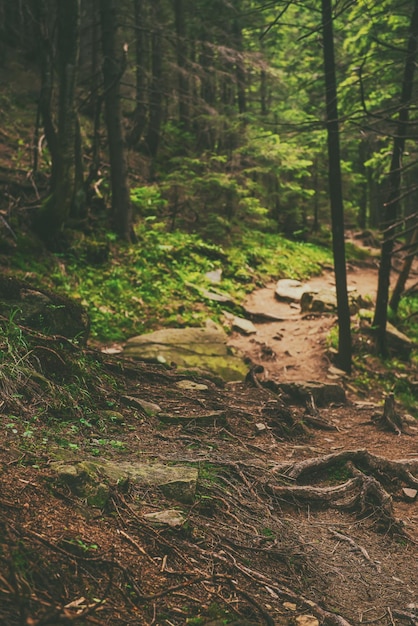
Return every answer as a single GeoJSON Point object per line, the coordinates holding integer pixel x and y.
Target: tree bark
{"type": "Point", "coordinates": [113, 69]}
{"type": "Point", "coordinates": [140, 114]}
{"type": "Point", "coordinates": [181, 51]}
{"type": "Point", "coordinates": [391, 208]}
{"type": "Point", "coordinates": [156, 87]}
{"type": "Point", "coordinates": [403, 276]}
{"type": "Point", "coordinates": [335, 189]}
{"type": "Point", "coordinates": [67, 192]}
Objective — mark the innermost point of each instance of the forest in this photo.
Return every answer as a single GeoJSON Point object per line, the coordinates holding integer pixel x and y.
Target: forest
{"type": "Point", "coordinates": [208, 312]}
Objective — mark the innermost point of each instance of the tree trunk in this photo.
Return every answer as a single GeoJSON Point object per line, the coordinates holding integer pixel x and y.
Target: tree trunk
{"type": "Point", "coordinates": [140, 114]}
{"type": "Point", "coordinates": [113, 69]}
{"type": "Point", "coordinates": [335, 189]}
{"type": "Point", "coordinates": [181, 51]}
{"type": "Point", "coordinates": [45, 95]}
{"type": "Point", "coordinates": [66, 180]}
{"type": "Point", "coordinates": [403, 276]}
{"type": "Point", "coordinates": [391, 208]}
{"type": "Point", "coordinates": [156, 87]}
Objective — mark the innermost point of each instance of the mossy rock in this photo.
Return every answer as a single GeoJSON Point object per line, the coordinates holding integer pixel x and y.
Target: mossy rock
{"type": "Point", "coordinates": [202, 348]}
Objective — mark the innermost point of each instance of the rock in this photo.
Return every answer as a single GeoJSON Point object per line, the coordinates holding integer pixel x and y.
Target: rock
{"type": "Point", "coordinates": [42, 310]}
{"type": "Point", "coordinates": [322, 393]}
{"type": "Point", "coordinates": [200, 419]}
{"type": "Point", "coordinates": [306, 620]}
{"type": "Point", "coordinates": [409, 494]}
{"type": "Point", "coordinates": [169, 517]}
{"type": "Point", "coordinates": [289, 290]}
{"type": "Point", "coordinates": [202, 348]}
{"type": "Point", "coordinates": [260, 428]}
{"type": "Point", "coordinates": [222, 298]}
{"type": "Point", "coordinates": [325, 301]}
{"type": "Point", "coordinates": [260, 317]}
{"type": "Point", "coordinates": [290, 606]}
{"type": "Point", "coordinates": [85, 478]}
{"type": "Point", "coordinates": [214, 276]}
{"type": "Point", "coordinates": [244, 326]}
{"type": "Point", "coordinates": [190, 385]}
{"type": "Point", "coordinates": [150, 408]}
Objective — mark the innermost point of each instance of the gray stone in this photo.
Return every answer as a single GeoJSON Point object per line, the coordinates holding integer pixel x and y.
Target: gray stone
{"type": "Point", "coordinates": [289, 290]}
{"type": "Point", "coordinates": [244, 326]}
{"type": "Point", "coordinates": [202, 348]}
{"type": "Point", "coordinates": [169, 517]}
{"type": "Point", "coordinates": [325, 301]}
{"type": "Point", "coordinates": [190, 385]}
{"type": "Point", "coordinates": [214, 276]}
{"type": "Point", "coordinates": [323, 393]}
{"type": "Point", "coordinates": [149, 408]}
{"type": "Point", "coordinates": [409, 494]}
{"type": "Point", "coordinates": [85, 478]}
{"type": "Point", "coordinates": [222, 298]}
{"type": "Point", "coordinates": [200, 419]}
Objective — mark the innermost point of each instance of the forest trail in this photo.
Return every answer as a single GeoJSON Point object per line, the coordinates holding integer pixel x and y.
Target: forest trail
{"type": "Point", "coordinates": [295, 349]}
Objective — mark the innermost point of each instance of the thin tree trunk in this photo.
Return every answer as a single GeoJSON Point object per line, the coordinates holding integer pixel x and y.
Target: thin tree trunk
{"type": "Point", "coordinates": [181, 50]}
{"type": "Point", "coordinates": [391, 209]}
{"type": "Point", "coordinates": [113, 68]}
{"type": "Point", "coordinates": [140, 114]}
{"type": "Point", "coordinates": [403, 276]}
{"type": "Point", "coordinates": [335, 189]}
{"type": "Point", "coordinates": [156, 88]}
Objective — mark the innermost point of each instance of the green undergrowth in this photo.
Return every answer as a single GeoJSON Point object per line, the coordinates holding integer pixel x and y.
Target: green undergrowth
{"type": "Point", "coordinates": [158, 281]}
{"type": "Point", "coordinates": [54, 395]}
{"type": "Point", "coordinates": [374, 375]}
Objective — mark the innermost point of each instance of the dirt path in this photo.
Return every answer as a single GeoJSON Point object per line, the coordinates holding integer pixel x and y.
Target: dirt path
{"type": "Point", "coordinates": [296, 347]}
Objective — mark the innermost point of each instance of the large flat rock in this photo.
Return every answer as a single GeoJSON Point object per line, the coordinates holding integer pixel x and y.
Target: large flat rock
{"type": "Point", "coordinates": [85, 478]}
{"type": "Point", "coordinates": [202, 348]}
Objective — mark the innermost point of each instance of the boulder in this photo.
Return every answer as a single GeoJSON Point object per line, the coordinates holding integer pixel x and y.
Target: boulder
{"type": "Point", "coordinates": [202, 348]}
{"type": "Point", "coordinates": [243, 326]}
{"type": "Point", "coordinates": [322, 393]}
{"type": "Point", "coordinates": [290, 290]}
{"type": "Point", "coordinates": [89, 479]}
{"type": "Point", "coordinates": [325, 301]}
{"type": "Point", "coordinates": [43, 310]}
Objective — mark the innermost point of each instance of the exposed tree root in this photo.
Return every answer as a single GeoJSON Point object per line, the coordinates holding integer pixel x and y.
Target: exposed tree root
{"type": "Point", "coordinates": [362, 493]}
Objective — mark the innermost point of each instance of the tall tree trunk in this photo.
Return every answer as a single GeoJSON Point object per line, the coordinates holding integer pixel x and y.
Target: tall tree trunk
{"type": "Point", "coordinates": [181, 51]}
{"type": "Point", "coordinates": [66, 178]}
{"type": "Point", "coordinates": [113, 69]}
{"type": "Point", "coordinates": [140, 114]}
{"type": "Point", "coordinates": [404, 273]}
{"type": "Point", "coordinates": [156, 87]}
{"type": "Point", "coordinates": [240, 68]}
{"type": "Point", "coordinates": [46, 54]}
{"type": "Point", "coordinates": [335, 189]}
{"type": "Point", "coordinates": [391, 208]}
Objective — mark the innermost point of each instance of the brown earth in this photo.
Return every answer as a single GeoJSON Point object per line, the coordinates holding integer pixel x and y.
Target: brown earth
{"type": "Point", "coordinates": [266, 541]}
{"type": "Point", "coordinates": [296, 347]}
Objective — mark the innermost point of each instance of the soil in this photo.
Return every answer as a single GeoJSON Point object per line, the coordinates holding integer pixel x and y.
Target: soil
{"type": "Point", "coordinates": [296, 348]}
{"type": "Point", "coordinates": [267, 540]}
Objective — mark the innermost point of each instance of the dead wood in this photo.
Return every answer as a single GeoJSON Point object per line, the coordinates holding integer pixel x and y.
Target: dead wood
{"type": "Point", "coordinates": [313, 416]}
{"type": "Point", "coordinates": [390, 419]}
